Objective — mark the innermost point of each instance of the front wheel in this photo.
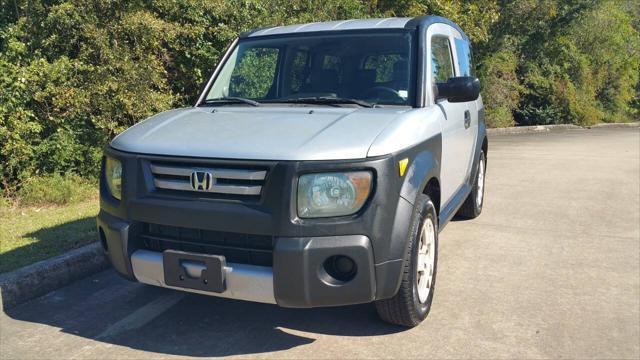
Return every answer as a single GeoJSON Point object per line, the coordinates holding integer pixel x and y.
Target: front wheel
{"type": "Point", "coordinates": [412, 302]}
{"type": "Point", "coordinates": [472, 206]}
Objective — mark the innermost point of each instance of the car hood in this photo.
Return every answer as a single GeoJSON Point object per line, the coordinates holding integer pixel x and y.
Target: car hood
{"type": "Point", "coordinates": [265, 133]}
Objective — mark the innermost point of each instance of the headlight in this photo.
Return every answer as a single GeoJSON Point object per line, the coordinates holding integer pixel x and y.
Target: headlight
{"type": "Point", "coordinates": [113, 176]}
{"type": "Point", "coordinates": [333, 194]}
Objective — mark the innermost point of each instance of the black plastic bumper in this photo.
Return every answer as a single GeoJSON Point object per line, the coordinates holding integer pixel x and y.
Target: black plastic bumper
{"type": "Point", "coordinates": [299, 278]}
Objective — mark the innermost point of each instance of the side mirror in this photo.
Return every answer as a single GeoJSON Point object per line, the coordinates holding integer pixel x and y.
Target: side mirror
{"type": "Point", "coordinates": [459, 89]}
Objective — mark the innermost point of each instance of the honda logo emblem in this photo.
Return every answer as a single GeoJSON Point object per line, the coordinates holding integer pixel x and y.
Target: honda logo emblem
{"type": "Point", "coordinates": [201, 180]}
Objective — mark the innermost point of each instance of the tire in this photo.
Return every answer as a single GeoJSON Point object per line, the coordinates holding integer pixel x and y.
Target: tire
{"type": "Point", "coordinates": [472, 206]}
{"type": "Point", "coordinates": [411, 304]}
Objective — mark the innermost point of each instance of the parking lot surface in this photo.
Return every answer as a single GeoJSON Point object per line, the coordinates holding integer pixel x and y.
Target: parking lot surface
{"type": "Point", "coordinates": [550, 269]}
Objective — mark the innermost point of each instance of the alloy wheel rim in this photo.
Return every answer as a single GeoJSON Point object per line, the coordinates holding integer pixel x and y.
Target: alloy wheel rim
{"type": "Point", "coordinates": [480, 189]}
{"type": "Point", "coordinates": [426, 260]}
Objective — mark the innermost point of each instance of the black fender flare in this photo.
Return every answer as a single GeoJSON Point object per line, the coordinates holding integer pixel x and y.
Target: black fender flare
{"type": "Point", "coordinates": [424, 164]}
{"type": "Point", "coordinates": [424, 167]}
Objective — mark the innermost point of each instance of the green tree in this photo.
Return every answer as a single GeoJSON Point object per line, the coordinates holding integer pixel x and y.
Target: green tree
{"type": "Point", "coordinates": [475, 17]}
{"type": "Point", "coordinates": [75, 73]}
{"type": "Point", "coordinates": [577, 60]}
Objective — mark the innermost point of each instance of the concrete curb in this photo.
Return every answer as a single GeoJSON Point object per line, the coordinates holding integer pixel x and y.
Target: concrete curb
{"type": "Point", "coordinates": [530, 129]}
{"type": "Point", "coordinates": [44, 276]}
{"type": "Point", "coordinates": [615, 125]}
{"type": "Point", "coordinates": [547, 128]}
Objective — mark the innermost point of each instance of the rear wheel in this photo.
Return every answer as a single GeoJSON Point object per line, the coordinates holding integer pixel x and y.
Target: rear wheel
{"type": "Point", "coordinates": [472, 206]}
{"type": "Point", "coordinates": [412, 302]}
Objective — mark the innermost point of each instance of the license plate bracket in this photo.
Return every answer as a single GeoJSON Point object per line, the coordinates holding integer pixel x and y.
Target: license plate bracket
{"type": "Point", "coordinates": [194, 271]}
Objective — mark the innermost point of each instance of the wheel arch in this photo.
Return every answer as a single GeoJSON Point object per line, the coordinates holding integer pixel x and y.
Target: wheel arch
{"type": "Point", "coordinates": [432, 189]}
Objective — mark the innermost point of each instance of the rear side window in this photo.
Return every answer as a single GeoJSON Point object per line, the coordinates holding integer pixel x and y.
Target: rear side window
{"type": "Point", "coordinates": [463, 50]}
{"type": "Point", "coordinates": [441, 64]}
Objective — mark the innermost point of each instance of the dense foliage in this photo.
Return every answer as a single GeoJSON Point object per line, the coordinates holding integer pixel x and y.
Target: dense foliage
{"type": "Point", "coordinates": [562, 61]}
{"type": "Point", "coordinates": [74, 73]}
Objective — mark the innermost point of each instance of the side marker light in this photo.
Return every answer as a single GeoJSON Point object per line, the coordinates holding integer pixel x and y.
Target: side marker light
{"type": "Point", "coordinates": [402, 166]}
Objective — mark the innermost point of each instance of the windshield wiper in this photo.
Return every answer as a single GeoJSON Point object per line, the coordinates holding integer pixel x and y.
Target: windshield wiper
{"type": "Point", "coordinates": [329, 100]}
{"type": "Point", "coordinates": [232, 99]}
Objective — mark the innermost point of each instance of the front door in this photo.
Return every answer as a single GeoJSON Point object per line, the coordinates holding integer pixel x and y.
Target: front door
{"type": "Point", "coordinates": [455, 151]}
{"type": "Point", "coordinates": [464, 67]}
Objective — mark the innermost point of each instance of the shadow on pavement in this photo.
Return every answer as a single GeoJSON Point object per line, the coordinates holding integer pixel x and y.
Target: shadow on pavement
{"type": "Point", "coordinates": [109, 309]}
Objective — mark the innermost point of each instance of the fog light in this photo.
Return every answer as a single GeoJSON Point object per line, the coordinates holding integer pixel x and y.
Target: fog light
{"type": "Point", "coordinates": [340, 269]}
{"type": "Point", "coordinates": [344, 265]}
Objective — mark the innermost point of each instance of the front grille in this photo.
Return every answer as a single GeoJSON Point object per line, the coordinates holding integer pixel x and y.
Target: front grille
{"type": "Point", "coordinates": [242, 183]}
{"type": "Point", "coordinates": [236, 248]}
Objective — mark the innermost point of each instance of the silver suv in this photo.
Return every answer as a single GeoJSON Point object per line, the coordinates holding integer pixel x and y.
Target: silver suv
{"type": "Point", "coordinates": [316, 169]}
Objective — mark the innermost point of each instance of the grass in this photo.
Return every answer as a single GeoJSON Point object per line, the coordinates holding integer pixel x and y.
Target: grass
{"type": "Point", "coordinates": [55, 190]}
{"type": "Point", "coordinates": [32, 233]}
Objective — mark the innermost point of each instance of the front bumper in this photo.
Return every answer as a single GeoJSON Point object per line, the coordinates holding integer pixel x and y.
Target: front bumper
{"type": "Point", "coordinates": [297, 278]}
{"type": "Point", "coordinates": [375, 237]}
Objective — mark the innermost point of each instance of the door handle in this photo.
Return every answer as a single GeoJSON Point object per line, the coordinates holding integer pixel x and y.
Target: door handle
{"type": "Point", "coordinates": [467, 119]}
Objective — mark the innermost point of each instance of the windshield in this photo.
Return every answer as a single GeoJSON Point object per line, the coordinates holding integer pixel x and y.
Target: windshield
{"type": "Point", "coordinates": [356, 68]}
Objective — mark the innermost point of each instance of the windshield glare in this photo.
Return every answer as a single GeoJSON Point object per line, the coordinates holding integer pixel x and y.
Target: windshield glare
{"type": "Point", "coordinates": [372, 67]}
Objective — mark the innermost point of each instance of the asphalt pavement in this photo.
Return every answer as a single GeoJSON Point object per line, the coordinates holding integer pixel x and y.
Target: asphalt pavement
{"type": "Point", "coordinates": [550, 269]}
